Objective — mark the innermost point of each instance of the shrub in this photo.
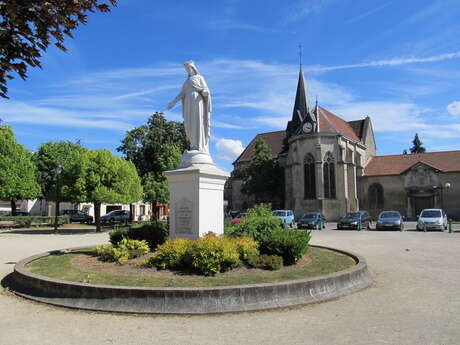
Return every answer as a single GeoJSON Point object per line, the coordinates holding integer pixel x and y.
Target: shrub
{"type": "Point", "coordinates": [291, 245]}
{"type": "Point", "coordinates": [171, 254]}
{"type": "Point", "coordinates": [211, 254]}
{"type": "Point", "coordinates": [117, 235]}
{"type": "Point", "coordinates": [154, 232]}
{"type": "Point", "coordinates": [268, 262]}
{"type": "Point", "coordinates": [126, 249]}
{"type": "Point", "coordinates": [208, 255]}
{"type": "Point", "coordinates": [246, 247]}
{"type": "Point", "coordinates": [259, 221]}
{"type": "Point", "coordinates": [107, 252]}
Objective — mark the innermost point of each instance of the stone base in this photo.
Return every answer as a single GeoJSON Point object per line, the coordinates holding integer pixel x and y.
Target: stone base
{"type": "Point", "coordinates": [196, 197]}
{"type": "Point", "coordinates": [194, 157]}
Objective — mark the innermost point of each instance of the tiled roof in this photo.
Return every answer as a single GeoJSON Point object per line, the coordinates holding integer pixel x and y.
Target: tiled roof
{"type": "Point", "coordinates": [447, 161]}
{"type": "Point", "coordinates": [330, 123]}
{"type": "Point", "coordinates": [274, 141]}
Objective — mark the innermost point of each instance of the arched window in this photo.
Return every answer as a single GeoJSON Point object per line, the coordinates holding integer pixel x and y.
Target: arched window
{"type": "Point", "coordinates": [329, 176]}
{"type": "Point", "coordinates": [309, 179]}
{"type": "Point", "coordinates": [375, 196]}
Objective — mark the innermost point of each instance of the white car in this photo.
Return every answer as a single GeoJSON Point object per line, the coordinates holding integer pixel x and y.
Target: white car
{"type": "Point", "coordinates": [432, 218]}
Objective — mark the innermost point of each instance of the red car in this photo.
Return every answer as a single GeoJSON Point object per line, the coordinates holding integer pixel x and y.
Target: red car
{"type": "Point", "coordinates": [239, 218]}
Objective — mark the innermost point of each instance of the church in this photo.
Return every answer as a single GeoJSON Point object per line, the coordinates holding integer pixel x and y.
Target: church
{"type": "Point", "coordinates": [331, 166]}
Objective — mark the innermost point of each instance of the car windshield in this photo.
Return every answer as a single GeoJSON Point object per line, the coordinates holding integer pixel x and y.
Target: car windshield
{"type": "Point", "coordinates": [431, 214]}
{"type": "Point", "coordinates": [352, 215]}
{"type": "Point", "coordinates": [390, 215]}
{"type": "Point", "coordinates": [279, 213]}
{"type": "Point", "coordinates": [310, 215]}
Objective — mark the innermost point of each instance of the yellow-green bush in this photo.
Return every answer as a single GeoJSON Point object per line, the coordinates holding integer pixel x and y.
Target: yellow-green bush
{"type": "Point", "coordinates": [247, 247]}
{"type": "Point", "coordinates": [208, 255]}
{"type": "Point", "coordinates": [211, 254]}
{"type": "Point", "coordinates": [126, 249]}
{"type": "Point", "coordinates": [171, 254]}
{"type": "Point", "coordinates": [107, 252]}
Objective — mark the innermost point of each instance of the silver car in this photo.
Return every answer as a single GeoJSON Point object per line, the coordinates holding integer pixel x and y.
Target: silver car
{"type": "Point", "coordinates": [390, 220]}
{"type": "Point", "coordinates": [432, 219]}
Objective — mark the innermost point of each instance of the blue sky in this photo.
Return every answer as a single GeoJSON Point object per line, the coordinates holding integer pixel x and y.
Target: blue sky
{"type": "Point", "coordinates": [396, 61]}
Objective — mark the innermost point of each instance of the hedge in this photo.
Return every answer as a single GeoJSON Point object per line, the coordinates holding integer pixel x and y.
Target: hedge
{"type": "Point", "coordinates": [24, 221]}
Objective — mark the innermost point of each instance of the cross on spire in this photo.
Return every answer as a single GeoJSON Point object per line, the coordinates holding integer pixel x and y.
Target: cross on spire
{"type": "Point", "coordinates": [300, 54]}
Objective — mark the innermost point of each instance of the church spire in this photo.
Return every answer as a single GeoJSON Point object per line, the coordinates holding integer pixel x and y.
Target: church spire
{"type": "Point", "coordinates": [301, 106]}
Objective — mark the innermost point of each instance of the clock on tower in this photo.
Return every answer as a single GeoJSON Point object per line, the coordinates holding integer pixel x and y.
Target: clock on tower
{"type": "Point", "coordinates": [307, 127]}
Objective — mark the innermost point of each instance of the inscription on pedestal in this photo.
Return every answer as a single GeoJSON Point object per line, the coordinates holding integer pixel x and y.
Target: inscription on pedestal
{"type": "Point", "coordinates": [184, 217]}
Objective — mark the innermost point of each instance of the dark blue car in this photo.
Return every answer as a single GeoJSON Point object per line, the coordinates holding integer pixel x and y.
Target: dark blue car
{"type": "Point", "coordinates": [312, 220]}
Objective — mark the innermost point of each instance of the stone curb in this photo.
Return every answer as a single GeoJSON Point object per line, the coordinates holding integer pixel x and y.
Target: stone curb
{"type": "Point", "coordinates": [188, 300]}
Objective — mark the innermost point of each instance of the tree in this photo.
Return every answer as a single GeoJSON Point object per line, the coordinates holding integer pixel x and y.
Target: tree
{"type": "Point", "coordinates": [57, 172]}
{"type": "Point", "coordinates": [417, 148]}
{"type": "Point", "coordinates": [17, 171]}
{"type": "Point", "coordinates": [155, 148]}
{"type": "Point", "coordinates": [106, 178]}
{"type": "Point", "coordinates": [263, 178]}
{"type": "Point", "coordinates": [27, 27]}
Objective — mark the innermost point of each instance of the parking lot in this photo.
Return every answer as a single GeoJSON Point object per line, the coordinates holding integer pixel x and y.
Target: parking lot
{"type": "Point", "coordinates": [415, 300]}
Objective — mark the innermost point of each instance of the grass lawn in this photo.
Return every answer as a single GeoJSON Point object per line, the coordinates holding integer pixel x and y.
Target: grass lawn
{"type": "Point", "coordinates": [316, 262]}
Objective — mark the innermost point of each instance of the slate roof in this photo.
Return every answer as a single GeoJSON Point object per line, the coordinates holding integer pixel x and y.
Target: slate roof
{"type": "Point", "coordinates": [448, 161]}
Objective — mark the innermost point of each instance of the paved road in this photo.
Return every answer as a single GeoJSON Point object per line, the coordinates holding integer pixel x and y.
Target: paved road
{"type": "Point", "coordinates": [415, 300]}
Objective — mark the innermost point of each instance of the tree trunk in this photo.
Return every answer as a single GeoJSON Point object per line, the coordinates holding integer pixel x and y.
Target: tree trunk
{"type": "Point", "coordinates": [56, 215]}
{"type": "Point", "coordinates": [97, 216]}
{"type": "Point", "coordinates": [13, 207]}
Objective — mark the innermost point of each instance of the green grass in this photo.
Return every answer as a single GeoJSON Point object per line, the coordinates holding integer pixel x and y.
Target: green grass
{"type": "Point", "coordinates": [323, 262]}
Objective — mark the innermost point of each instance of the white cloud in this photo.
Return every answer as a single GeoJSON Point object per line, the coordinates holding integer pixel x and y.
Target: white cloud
{"type": "Point", "coordinates": [305, 8]}
{"type": "Point", "coordinates": [454, 108]}
{"type": "Point", "coordinates": [385, 116]}
{"type": "Point", "coordinates": [386, 62]}
{"type": "Point", "coordinates": [229, 149]}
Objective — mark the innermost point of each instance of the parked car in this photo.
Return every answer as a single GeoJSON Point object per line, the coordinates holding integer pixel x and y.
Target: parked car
{"type": "Point", "coordinates": [78, 216]}
{"type": "Point", "coordinates": [352, 220]}
{"type": "Point", "coordinates": [432, 218]}
{"type": "Point", "coordinates": [116, 216]}
{"type": "Point", "coordinates": [390, 220]}
{"type": "Point", "coordinates": [312, 220]}
{"type": "Point", "coordinates": [239, 218]}
{"type": "Point", "coordinates": [286, 217]}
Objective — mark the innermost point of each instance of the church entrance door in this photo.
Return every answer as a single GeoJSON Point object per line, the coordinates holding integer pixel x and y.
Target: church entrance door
{"type": "Point", "coordinates": [421, 203]}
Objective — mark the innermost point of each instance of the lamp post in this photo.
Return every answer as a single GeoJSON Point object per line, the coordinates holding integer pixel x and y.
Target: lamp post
{"type": "Point", "coordinates": [58, 190]}
{"type": "Point", "coordinates": [447, 187]}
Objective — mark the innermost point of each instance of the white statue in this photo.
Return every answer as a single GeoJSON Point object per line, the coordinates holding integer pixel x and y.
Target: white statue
{"type": "Point", "coordinates": [196, 109]}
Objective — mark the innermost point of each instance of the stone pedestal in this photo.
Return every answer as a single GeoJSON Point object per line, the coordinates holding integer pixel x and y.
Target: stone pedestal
{"type": "Point", "coordinates": [196, 197]}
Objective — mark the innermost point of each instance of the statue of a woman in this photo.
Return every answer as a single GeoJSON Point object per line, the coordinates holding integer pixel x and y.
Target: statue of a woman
{"type": "Point", "coordinates": [196, 108]}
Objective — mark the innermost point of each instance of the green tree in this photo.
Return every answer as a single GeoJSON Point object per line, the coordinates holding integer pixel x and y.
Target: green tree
{"type": "Point", "coordinates": [106, 178]}
{"type": "Point", "coordinates": [155, 148]}
{"type": "Point", "coordinates": [17, 171]}
{"type": "Point", "coordinates": [58, 172]}
{"type": "Point", "coordinates": [417, 145]}
{"type": "Point", "coordinates": [263, 178]}
{"type": "Point", "coordinates": [28, 27]}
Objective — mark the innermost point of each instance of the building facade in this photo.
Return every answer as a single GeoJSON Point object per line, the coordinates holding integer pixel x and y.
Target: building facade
{"type": "Point", "coordinates": [330, 165]}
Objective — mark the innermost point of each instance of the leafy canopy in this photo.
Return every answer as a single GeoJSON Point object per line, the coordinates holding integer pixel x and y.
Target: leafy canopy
{"type": "Point", "coordinates": [28, 27]}
{"type": "Point", "coordinates": [47, 158]}
{"type": "Point", "coordinates": [155, 148]}
{"type": "Point", "coordinates": [17, 171]}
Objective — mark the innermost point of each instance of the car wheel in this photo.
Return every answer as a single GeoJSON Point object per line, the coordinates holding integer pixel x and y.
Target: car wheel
{"type": "Point", "coordinates": [339, 227]}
